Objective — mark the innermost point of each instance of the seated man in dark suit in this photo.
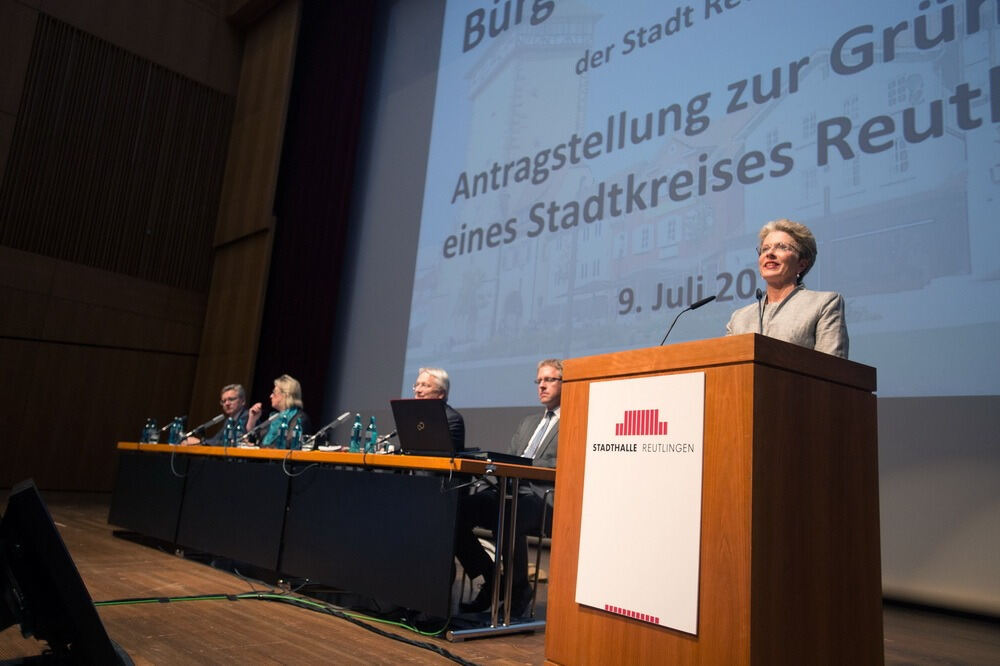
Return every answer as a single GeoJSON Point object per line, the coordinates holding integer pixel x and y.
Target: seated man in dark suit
{"type": "Point", "coordinates": [233, 400]}
{"type": "Point", "coordinates": [537, 437]}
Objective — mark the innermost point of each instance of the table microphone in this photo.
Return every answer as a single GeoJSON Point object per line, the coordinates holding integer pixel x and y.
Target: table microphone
{"type": "Point", "coordinates": [167, 427]}
{"type": "Point", "coordinates": [204, 426]}
{"type": "Point", "coordinates": [246, 436]}
{"type": "Point", "coordinates": [383, 441]}
{"type": "Point", "coordinates": [332, 424]}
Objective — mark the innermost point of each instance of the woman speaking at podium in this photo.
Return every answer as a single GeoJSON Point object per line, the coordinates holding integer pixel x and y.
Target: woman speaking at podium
{"type": "Point", "coordinates": [787, 310]}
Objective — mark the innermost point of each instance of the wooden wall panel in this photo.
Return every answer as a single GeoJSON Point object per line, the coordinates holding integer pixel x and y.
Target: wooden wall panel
{"type": "Point", "coordinates": [6, 135]}
{"type": "Point", "coordinates": [232, 323]}
{"type": "Point", "coordinates": [244, 233]}
{"type": "Point", "coordinates": [189, 37]}
{"type": "Point", "coordinates": [250, 180]}
{"type": "Point", "coordinates": [59, 301]}
{"type": "Point", "coordinates": [115, 162]}
{"type": "Point", "coordinates": [88, 397]}
{"type": "Point", "coordinates": [17, 26]}
{"type": "Point", "coordinates": [89, 352]}
{"type": "Point", "coordinates": [87, 356]}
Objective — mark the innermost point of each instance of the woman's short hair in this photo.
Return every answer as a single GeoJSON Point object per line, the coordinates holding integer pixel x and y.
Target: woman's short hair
{"type": "Point", "coordinates": [441, 376]}
{"type": "Point", "coordinates": [292, 390]}
{"type": "Point", "coordinates": [804, 240]}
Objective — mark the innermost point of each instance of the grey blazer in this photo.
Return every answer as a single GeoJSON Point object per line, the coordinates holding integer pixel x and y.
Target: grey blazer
{"type": "Point", "coordinates": [813, 319]}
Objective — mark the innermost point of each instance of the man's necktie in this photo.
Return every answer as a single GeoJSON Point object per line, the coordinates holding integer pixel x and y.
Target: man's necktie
{"type": "Point", "coordinates": [536, 441]}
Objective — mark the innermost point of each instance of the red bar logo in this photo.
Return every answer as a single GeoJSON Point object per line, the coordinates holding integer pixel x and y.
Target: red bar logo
{"type": "Point", "coordinates": [635, 615]}
{"type": "Point", "coordinates": [641, 422]}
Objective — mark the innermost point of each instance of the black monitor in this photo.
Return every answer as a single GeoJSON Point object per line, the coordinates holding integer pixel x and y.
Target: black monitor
{"type": "Point", "coordinates": [41, 589]}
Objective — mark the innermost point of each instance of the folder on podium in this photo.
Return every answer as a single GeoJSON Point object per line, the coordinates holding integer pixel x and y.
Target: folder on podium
{"type": "Point", "coordinates": [787, 546]}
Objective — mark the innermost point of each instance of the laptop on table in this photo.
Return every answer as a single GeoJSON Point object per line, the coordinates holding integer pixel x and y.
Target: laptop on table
{"type": "Point", "coordinates": [422, 427]}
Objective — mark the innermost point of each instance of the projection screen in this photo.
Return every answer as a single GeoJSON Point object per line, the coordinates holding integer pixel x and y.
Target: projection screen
{"type": "Point", "coordinates": [548, 178]}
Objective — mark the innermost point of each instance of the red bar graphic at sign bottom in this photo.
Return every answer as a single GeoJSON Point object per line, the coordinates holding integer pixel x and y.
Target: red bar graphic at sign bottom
{"type": "Point", "coordinates": [636, 615]}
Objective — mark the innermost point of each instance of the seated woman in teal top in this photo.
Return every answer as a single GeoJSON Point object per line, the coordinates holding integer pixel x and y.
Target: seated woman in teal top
{"type": "Point", "coordinates": [286, 398]}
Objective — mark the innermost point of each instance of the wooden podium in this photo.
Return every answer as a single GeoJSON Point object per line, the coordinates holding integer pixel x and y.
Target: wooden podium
{"type": "Point", "coordinates": [789, 558]}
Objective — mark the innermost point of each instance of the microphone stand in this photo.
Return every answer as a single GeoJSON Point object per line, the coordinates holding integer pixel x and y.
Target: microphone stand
{"type": "Point", "coordinates": [329, 426]}
{"type": "Point", "coordinates": [203, 427]}
{"type": "Point", "coordinates": [760, 311]}
{"type": "Point", "coordinates": [167, 427]}
{"type": "Point", "coordinates": [383, 441]}
{"type": "Point", "coordinates": [245, 437]}
{"type": "Point", "coordinates": [693, 306]}
{"type": "Point", "coordinates": [181, 436]}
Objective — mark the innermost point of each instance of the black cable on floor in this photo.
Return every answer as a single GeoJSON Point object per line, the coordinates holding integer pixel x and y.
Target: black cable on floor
{"type": "Point", "coordinates": [307, 604]}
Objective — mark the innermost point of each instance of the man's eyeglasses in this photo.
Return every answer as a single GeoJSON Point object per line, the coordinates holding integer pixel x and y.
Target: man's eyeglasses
{"type": "Point", "coordinates": [548, 380]}
{"type": "Point", "coordinates": [225, 400]}
{"type": "Point", "coordinates": [425, 385]}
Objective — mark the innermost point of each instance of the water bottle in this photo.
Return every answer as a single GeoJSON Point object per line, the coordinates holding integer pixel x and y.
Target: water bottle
{"type": "Point", "coordinates": [296, 436]}
{"type": "Point", "coordinates": [176, 430]}
{"type": "Point", "coordinates": [146, 434]}
{"type": "Point", "coordinates": [229, 433]}
{"type": "Point", "coordinates": [372, 436]}
{"type": "Point", "coordinates": [154, 432]}
{"type": "Point", "coordinates": [279, 441]}
{"type": "Point", "coordinates": [355, 446]}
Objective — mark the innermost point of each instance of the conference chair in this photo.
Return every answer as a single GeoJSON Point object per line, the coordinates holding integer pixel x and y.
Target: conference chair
{"type": "Point", "coordinates": [542, 535]}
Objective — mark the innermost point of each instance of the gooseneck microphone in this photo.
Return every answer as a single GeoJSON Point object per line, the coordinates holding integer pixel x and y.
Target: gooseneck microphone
{"type": "Point", "coordinates": [329, 426]}
{"type": "Point", "coordinates": [204, 426]}
{"type": "Point", "coordinates": [257, 428]}
{"type": "Point", "coordinates": [693, 306]}
{"type": "Point", "coordinates": [167, 427]}
{"type": "Point", "coordinates": [760, 311]}
{"type": "Point", "coordinates": [385, 438]}
{"type": "Point", "coordinates": [383, 442]}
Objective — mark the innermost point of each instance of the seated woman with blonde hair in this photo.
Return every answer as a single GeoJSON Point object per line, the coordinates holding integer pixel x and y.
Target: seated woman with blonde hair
{"type": "Point", "coordinates": [286, 398]}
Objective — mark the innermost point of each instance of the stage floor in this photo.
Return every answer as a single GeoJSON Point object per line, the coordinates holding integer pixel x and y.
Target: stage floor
{"type": "Point", "coordinates": [254, 631]}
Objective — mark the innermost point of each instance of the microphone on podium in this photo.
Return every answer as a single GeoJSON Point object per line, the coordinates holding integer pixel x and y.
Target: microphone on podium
{"type": "Point", "coordinates": [693, 306]}
{"type": "Point", "coordinates": [760, 311]}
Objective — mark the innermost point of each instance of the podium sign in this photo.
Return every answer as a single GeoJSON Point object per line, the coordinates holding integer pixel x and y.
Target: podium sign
{"type": "Point", "coordinates": [640, 526]}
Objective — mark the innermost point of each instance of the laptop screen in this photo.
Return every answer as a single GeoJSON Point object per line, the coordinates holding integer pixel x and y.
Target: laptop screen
{"type": "Point", "coordinates": [422, 426]}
